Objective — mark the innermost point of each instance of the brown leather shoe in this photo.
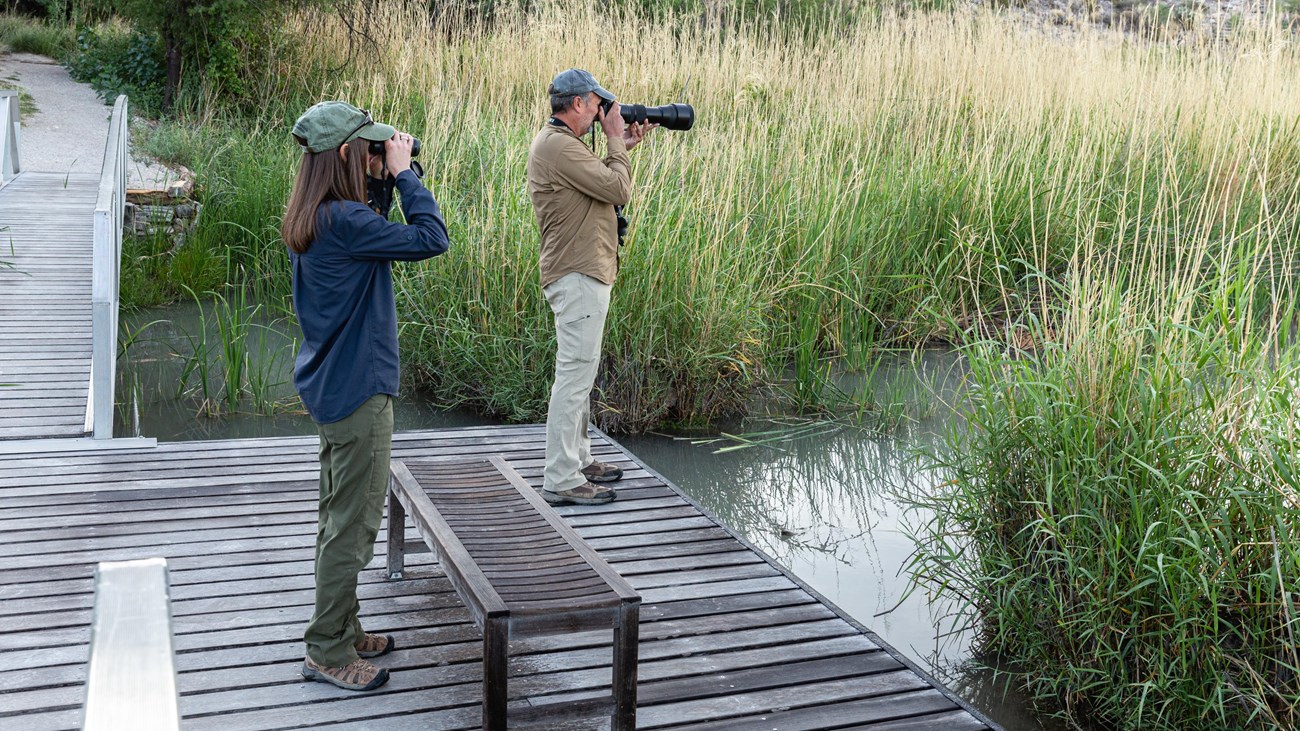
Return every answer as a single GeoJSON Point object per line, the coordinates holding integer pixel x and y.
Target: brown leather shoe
{"type": "Point", "coordinates": [375, 645]}
{"type": "Point", "coordinates": [602, 472]}
{"type": "Point", "coordinates": [584, 494]}
{"type": "Point", "coordinates": [360, 674]}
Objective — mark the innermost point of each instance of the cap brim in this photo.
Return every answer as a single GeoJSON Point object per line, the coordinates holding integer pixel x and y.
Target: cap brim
{"type": "Point", "coordinates": [603, 93]}
{"type": "Point", "coordinates": [376, 132]}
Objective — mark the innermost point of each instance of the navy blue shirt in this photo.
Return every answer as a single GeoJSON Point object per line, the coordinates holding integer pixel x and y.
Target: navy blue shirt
{"type": "Point", "coordinates": [343, 294]}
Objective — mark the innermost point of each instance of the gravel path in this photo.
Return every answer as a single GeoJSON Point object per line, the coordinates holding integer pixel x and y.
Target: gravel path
{"type": "Point", "coordinates": [70, 128]}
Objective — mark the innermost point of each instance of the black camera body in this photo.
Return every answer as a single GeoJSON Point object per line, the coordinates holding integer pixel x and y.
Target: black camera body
{"type": "Point", "coordinates": [680, 117]}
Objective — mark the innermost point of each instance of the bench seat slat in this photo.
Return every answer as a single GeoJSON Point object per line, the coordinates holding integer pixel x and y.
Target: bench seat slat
{"type": "Point", "coordinates": [505, 579]}
{"type": "Point", "coordinates": [584, 586]}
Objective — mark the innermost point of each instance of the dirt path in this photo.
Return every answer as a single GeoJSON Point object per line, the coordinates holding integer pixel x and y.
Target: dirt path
{"type": "Point", "coordinates": [68, 131]}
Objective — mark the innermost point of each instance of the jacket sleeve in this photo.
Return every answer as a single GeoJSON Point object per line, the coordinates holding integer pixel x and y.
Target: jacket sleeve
{"type": "Point", "coordinates": [370, 236]}
{"type": "Point", "coordinates": [608, 180]}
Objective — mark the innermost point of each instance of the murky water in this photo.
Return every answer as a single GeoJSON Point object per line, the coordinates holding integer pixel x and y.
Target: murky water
{"type": "Point", "coordinates": [825, 504]}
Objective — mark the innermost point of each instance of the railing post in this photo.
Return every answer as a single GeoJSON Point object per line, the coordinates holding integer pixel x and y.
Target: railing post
{"type": "Point", "coordinates": [109, 209]}
{"type": "Point", "coordinates": [132, 678]}
{"type": "Point", "coordinates": [10, 133]}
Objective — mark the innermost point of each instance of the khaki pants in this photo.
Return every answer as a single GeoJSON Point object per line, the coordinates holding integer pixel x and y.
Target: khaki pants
{"type": "Point", "coordinates": [580, 304]}
{"type": "Point", "coordinates": [354, 457]}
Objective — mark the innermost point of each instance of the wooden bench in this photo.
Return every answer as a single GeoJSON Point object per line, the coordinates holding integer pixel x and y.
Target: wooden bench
{"type": "Point", "coordinates": [521, 570]}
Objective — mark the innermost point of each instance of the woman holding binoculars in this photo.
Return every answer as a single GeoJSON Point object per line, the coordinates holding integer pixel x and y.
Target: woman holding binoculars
{"type": "Point", "coordinates": [341, 252]}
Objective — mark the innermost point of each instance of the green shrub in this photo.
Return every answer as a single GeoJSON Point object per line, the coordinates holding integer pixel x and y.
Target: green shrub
{"type": "Point", "coordinates": [115, 59]}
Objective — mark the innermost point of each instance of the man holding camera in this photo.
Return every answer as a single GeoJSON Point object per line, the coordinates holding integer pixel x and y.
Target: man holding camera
{"type": "Point", "coordinates": [574, 193]}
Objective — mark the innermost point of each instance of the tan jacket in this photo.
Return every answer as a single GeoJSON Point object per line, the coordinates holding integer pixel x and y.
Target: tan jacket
{"type": "Point", "coordinates": [574, 194]}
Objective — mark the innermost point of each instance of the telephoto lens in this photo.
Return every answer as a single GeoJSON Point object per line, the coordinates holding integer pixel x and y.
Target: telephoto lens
{"type": "Point", "coordinates": [680, 117]}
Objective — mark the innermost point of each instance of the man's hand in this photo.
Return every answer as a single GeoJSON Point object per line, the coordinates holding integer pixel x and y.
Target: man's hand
{"type": "Point", "coordinates": [636, 132]}
{"type": "Point", "coordinates": [397, 149]}
{"type": "Point", "coordinates": [612, 122]}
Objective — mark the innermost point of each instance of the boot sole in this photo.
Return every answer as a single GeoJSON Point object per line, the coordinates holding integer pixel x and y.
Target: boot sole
{"type": "Point", "coordinates": [320, 677]}
{"type": "Point", "coordinates": [603, 478]}
{"type": "Point", "coordinates": [558, 499]}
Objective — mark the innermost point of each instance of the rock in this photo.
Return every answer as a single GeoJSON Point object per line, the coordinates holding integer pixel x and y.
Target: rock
{"type": "Point", "coordinates": [158, 214]}
{"type": "Point", "coordinates": [181, 188]}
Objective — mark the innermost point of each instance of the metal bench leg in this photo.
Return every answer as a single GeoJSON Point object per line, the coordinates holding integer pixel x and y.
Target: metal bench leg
{"type": "Point", "coordinates": [496, 656]}
{"type": "Point", "coordinates": [626, 637]}
{"type": "Point", "coordinates": [396, 536]}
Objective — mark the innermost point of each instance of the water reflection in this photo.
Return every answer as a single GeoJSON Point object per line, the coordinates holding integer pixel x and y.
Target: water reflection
{"type": "Point", "coordinates": [830, 508]}
{"type": "Point", "coordinates": [159, 394]}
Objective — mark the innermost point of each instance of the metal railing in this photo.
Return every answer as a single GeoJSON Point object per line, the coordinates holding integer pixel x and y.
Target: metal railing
{"type": "Point", "coordinates": [132, 677]}
{"type": "Point", "coordinates": [10, 133]}
{"type": "Point", "coordinates": [109, 208]}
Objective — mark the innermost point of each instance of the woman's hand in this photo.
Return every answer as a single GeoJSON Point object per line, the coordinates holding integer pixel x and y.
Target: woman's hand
{"type": "Point", "coordinates": [397, 149]}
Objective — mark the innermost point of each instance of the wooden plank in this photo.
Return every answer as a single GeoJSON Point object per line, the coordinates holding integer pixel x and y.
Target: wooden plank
{"type": "Point", "coordinates": [951, 721]}
{"type": "Point", "coordinates": [583, 666]}
{"type": "Point", "coordinates": [882, 697]}
{"type": "Point", "coordinates": [258, 628]}
{"type": "Point", "coordinates": [28, 614]}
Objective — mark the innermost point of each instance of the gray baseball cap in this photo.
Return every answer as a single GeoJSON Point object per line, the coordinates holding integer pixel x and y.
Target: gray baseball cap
{"type": "Point", "coordinates": [577, 81]}
{"type": "Point", "coordinates": [330, 124]}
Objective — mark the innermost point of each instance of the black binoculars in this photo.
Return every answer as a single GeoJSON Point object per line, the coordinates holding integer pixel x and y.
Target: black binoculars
{"type": "Point", "coordinates": [377, 148]}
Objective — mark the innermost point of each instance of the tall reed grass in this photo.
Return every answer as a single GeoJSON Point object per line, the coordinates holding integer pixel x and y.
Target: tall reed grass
{"type": "Point", "coordinates": [888, 182]}
{"type": "Point", "coordinates": [1123, 515]}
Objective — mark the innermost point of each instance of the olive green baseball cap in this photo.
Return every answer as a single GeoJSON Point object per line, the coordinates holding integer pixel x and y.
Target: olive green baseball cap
{"type": "Point", "coordinates": [577, 81]}
{"type": "Point", "coordinates": [329, 124]}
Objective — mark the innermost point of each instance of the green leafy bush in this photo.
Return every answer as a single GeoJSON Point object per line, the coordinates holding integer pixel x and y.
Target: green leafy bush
{"type": "Point", "coordinates": [116, 59]}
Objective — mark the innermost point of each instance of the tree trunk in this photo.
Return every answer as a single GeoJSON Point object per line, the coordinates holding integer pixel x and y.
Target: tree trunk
{"type": "Point", "coordinates": [173, 54]}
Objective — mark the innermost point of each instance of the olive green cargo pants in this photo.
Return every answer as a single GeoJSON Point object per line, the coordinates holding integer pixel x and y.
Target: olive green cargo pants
{"type": "Point", "coordinates": [354, 454]}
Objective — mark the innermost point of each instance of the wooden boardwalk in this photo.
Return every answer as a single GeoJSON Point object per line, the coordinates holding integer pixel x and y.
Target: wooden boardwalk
{"type": "Point", "coordinates": [46, 235]}
{"type": "Point", "coordinates": [728, 641]}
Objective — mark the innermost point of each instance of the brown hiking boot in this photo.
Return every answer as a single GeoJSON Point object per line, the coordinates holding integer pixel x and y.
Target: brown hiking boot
{"type": "Point", "coordinates": [360, 674]}
{"type": "Point", "coordinates": [602, 472]}
{"type": "Point", "coordinates": [584, 494]}
{"type": "Point", "coordinates": [375, 645]}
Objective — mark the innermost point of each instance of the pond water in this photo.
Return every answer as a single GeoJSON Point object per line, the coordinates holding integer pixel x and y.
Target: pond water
{"type": "Point", "coordinates": [825, 504]}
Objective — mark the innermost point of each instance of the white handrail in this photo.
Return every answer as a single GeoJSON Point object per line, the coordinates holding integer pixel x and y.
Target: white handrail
{"type": "Point", "coordinates": [131, 683]}
{"type": "Point", "coordinates": [109, 208]}
{"type": "Point", "coordinates": [10, 133]}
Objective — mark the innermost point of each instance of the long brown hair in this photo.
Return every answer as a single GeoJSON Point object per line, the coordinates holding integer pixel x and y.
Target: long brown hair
{"type": "Point", "coordinates": [322, 176]}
